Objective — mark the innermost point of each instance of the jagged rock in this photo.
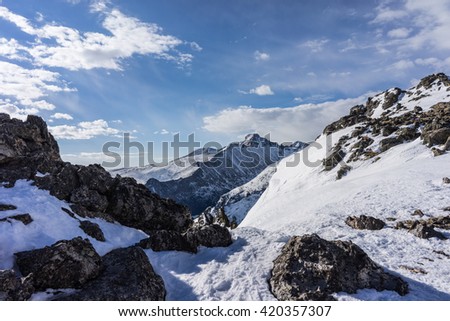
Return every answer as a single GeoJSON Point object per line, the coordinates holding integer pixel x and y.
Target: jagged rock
{"type": "Point", "coordinates": [7, 207]}
{"type": "Point", "coordinates": [418, 213]}
{"type": "Point", "coordinates": [388, 130]}
{"type": "Point", "coordinates": [127, 276]}
{"type": "Point", "coordinates": [429, 80]}
{"type": "Point", "coordinates": [343, 171]}
{"type": "Point", "coordinates": [418, 109]}
{"type": "Point", "coordinates": [440, 221]}
{"type": "Point", "coordinates": [426, 232]}
{"type": "Point", "coordinates": [390, 98]}
{"type": "Point", "coordinates": [65, 264]}
{"type": "Point", "coordinates": [436, 137]}
{"type": "Point", "coordinates": [25, 148]}
{"type": "Point", "coordinates": [24, 218]}
{"type": "Point", "coordinates": [14, 288]}
{"type": "Point", "coordinates": [90, 199]}
{"type": "Point", "coordinates": [333, 160]}
{"type": "Point", "coordinates": [437, 152]}
{"type": "Point", "coordinates": [209, 235]}
{"type": "Point", "coordinates": [407, 133]}
{"type": "Point", "coordinates": [132, 204]}
{"type": "Point", "coordinates": [390, 142]}
{"type": "Point", "coordinates": [93, 230]}
{"type": "Point", "coordinates": [311, 268]}
{"type": "Point", "coordinates": [163, 240]}
{"type": "Point", "coordinates": [364, 222]}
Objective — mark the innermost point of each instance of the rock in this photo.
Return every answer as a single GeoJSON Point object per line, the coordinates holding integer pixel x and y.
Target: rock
{"type": "Point", "coordinates": [65, 264]}
{"type": "Point", "coordinates": [311, 268]}
{"type": "Point", "coordinates": [364, 222]}
{"type": "Point", "coordinates": [93, 230]}
{"type": "Point", "coordinates": [24, 218]}
{"type": "Point", "coordinates": [333, 160]}
{"type": "Point", "coordinates": [25, 148]}
{"type": "Point", "coordinates": [343, 171]}
{"type": "Point", "coordinates": [407, 133]}
{"type": "Point", "coordinates": [429, 80]}
{"type": "Point", "coordinates": [418, 213]}
{"type": "Point", "coordinates": [440, 221]}
{"type": "Point", "coordinates": [447, 144]}
{"type": "Point", "coordinates": [436, 137]}
{"type": "Point", "coordinates": [209, 235]}
{"type": "Point", "coordinates": [415, 270]}
{"type": "Point", "coordinates": [390, 142]}
{"type": "Point", "coordinates": [14, 288]}
{"type": "Point", "coordinates": [7, 207]}
{"type": "Point", "coordinates": [390, 98]}
{"type": "Point", "coordinates": [90, 199]}
{"type": "Point", "coordinates": [418, 109]}
{"type": "Point", "coordinates": [446, 180]}
{"type": "Point", "coordinates": [426, 232]}
{"type": "Point", "coordinates": [127, 276]}
{"type": "Point", "coordinates": [388, 130]}
{"type": "Point", "coordinates": [164, 240]}
{"type": "Point", "coordinates": [133, 205]}
{"type": "Point", "coordinates": [437, 152]}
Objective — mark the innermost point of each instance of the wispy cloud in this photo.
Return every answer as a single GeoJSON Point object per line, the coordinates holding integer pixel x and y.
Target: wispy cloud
{"type": "Point", "coordinates": [315, 45]}
{"type": "Point", "coordinates": [61, 116]}
{"type": "Point", "coordinates": [261, 56]}
{"type": "Point", "coordinates": [302, 122]}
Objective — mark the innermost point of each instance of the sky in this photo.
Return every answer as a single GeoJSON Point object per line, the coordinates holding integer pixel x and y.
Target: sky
{"type": "Point", "coordinates": [96, 69]}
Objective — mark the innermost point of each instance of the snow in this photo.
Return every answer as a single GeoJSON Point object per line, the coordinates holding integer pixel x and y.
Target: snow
{"type": "Point", "coordinates": [50, 224]}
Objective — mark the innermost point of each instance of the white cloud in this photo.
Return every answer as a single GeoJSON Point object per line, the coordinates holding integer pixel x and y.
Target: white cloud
{"type": "Point", "coordinates": [261, 56]}
{"type": "Point", "coordinates": [84, 130]}
{"type": "Point", "coordinates": [65, 47]}
{"type": "Point", "coordinates": [303, 122]}
{"type": "Point", "coordinates": [386, 14]}
{"type": "Point", "coordinates": [161, 132]}
{"type": "Point", "coordinates": [263, 90]}
{"type": "Point", "coordinates": [399, 33]}
{"type": "Point", "coordinates": [26, 89]}
{"type": "Point", "coordinates": [402, 65]}
{"type": "Point", "coordinates": [315, 45]}
{"type": "Point", "coordinates": [195, 46]}
{"type": "Point", "coordinates": [61, 116]}
{"type": "Point", "coordinates": [434, 62]}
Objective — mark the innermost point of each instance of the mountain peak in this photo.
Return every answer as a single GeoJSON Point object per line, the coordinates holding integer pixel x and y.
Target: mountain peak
{"type": "Point", "coordinates": [428, 81]}
{"type": "Point", "coordinates": [254, 137]}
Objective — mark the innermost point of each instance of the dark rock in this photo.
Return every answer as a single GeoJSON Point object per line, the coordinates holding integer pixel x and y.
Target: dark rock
{"type": "Point", "coordinates": [415, 270]}
{"type": "Point", "coordinates": [388, 130]}
{"type": "Point", "coordinates": [436, 137]}
{"type": "Point", "coordinates": [343, 171]}
{"type": "Point", "coordinates": [440, 221]}
{"type": "Point", "coordinates": [24, 218]}
{"type": "Point", "coordinates": [163, 240]}
{"type": "Point", "coordinates": [418, 213]}
{"type": "Point", "coordinates": [407, 133]}
{"type": "Point", "coordinates": [390, 142]}
{"type": "Point", "coordinates": [65, 264]}
{"type": "Point", "coordinates": [429, 80]}
{"type": "Point", "coordinates": [7, 207]}
{"type": "Point", "coordinates": [333, 159]}
{"type": "Point", "coordinates": [127, 276]}
{"type": "Point", "coordinates": [364, 222]}
{"type": "Point", "coordinates": [209, 235]}
{"type": "Point", "coordinates": [133, 205]}
{"type": "Point", "coordinates": [311, 268]}
{"type": "Point", "coordinates": [447, 144]}
{"type": "Point", "coordinates": [426, 232]}
{"type": "Point", "coordinates": [390, 98]}
{"type": "Point", "coordinates": [437, 152]}
{"type": "Point", "coordinates": [14, 288]}
{"type": "Point", "coordinates": [418, 109]}
{"type": "Point", "coordinates": [93, 230]}
{"type": "Point", "coordinates": [90, 199]}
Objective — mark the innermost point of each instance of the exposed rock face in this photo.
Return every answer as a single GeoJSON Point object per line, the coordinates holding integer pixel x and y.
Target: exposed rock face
{"type": "Point", "coordinates": [7, 207]}
{"type": "Point", "coordinates": [426, 228]}
{"type": "Point", "coordinates": [364, 222]}
{"type": "Point", "coordinates": [24, 218]}
{"type": "Point", "coordinates": [311, 268]}
{"type": "Point", "coordinates": [209, 235]}
{"type": "Point", "coordinates": [14, 288]}
{"type": "Point", "coordinates": [127, 276]}
{"type": "Point", "coordinates": [65, 264]}
{"type": "Point", "coordinates": [93, 230]}
{"type": "Point", "coordinates": [168, 241]}
{"type": "Point", "coordinates": [25, 148]}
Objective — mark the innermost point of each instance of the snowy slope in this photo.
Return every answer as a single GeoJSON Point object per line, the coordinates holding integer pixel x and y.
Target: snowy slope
{"type": "Point", "coordinates": [303, 199]}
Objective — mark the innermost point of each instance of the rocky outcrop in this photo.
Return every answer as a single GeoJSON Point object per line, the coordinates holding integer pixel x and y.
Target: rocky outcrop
{"type": "Point", "coordinates": [7, 207]}
{"type": "Point", "coordinates": [65, 264]}
{"type": "Point", "coordinates": [25, 148]}
{"type": "Point", "coordinates": [127, 276]}
{"type": "Point", "coordinates": [364, 222]}
{"type": "Point", "coordinates": [15, 288]}
{"type": "Point", "coordinates": [426, 228]}
{"type": "Point", "coordinates": [24, 218]}
{"type": "Point", "coordinates": [93, 230]}
{"type": "Point", "coordinates": [311, 268]}
{"type": "Point", "coordinates": [164, 240]}
{"type": "Point", "coordinates": [209, 235]}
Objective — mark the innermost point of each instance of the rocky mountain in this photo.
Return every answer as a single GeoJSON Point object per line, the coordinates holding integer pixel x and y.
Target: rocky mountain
{"type": "Point", "coordinates": [205, 179]}
{"type": "Point", "coordinates": [79, 231]}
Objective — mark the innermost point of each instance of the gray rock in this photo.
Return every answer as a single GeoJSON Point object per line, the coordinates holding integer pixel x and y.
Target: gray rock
{"type": "Point", "coordinates": [93, 230]}
{"type": "Point", "coordinates": [14, 288]}
{"type": "Point", "coordinates": [311, 268]}
{"type": "Point", "coordinates": [7, 207]}
{"type": "Point", "coordinates": [364, 222]}
{"type": "Point", "coordinates": [436, 137]}
{"type": "Point", "coordinates": [426, 232]}
{"type": "Point", "coordinates": [446, 180]}
{"type": "Point", "coordinates": [390, 142]}
{"type": "Point", "coordinates": [24, 218]}
{"type": "Point", "coordinates": [127, 276]}
{"type": "Point", "coordinates": [164, 240]}
{"type": "Point", "coordinates": [65, 264]}
{"type": "Point", "coordinates": [209, 235]}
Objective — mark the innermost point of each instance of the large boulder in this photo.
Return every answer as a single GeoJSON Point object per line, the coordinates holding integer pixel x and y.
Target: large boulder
{"type": "Point", "coordinates": [164, 240]}
{"type": "Point", "coordinates": [65, 264]}
{"type": "Point", "coordinates": [436, 137]}
{"type": "Point", "coordinates": [127, 276]}
{"type": "Point", "coordinates": [209, 235]}
{"type": "Point", "coordinates": [311, 268]}
{"type": "Point", "coordinates": [14, 288]}
{"type": "Point", "coordinates": [364, 222]}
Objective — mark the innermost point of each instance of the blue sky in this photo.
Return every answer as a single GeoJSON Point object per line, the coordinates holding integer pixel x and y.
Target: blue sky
{"type": "Point", "coordinates": [95, 69]}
